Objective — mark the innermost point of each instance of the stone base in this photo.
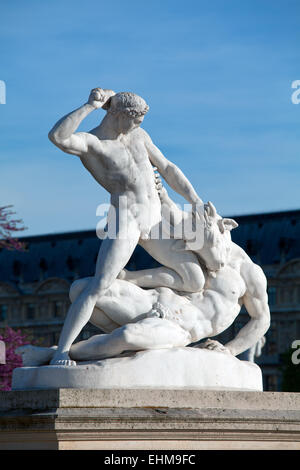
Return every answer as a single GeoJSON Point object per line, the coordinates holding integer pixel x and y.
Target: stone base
{"type": "Point", "coordinates": [162, 368]}
{"type": "Point", "coordinates": [149, 419]}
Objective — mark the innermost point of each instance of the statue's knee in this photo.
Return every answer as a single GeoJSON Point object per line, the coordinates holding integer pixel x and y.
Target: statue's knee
{"type": "Point", "coordinates": [130, 334]}
{"type": "Point", "coordinates": [76, 289]}
{"type": "Point", "coordinates": [194, 280]}
{"type": "Point", "coordinates": [99, 286]}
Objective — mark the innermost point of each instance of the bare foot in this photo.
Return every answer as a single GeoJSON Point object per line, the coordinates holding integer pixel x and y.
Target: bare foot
{"type": "Point", "coordinates": [62, 359]}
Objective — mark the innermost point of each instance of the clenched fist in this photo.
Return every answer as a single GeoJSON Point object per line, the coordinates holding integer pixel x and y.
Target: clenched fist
{"type": "Point", "coordinates": [99, 96]}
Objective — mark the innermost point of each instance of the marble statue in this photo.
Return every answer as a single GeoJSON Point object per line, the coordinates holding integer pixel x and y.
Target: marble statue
{"type": "Point", "coordinates": [194, 295]}
{"type": "Point", "coordinates": [120, 156]}
{"type": "Point", "coordinates": [136, 318]}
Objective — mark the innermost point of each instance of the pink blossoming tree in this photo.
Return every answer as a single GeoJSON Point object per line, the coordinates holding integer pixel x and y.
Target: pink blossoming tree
{"type": "Point", "coordinates": [12, 339]}
{"type": "Point", "coordinates": [8, 225]}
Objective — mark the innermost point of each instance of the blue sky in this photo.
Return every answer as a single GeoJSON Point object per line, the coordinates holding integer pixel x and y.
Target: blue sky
{"type": "Point", "coordinates": [217, 76]}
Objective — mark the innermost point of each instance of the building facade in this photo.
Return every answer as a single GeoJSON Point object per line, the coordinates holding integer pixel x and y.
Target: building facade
{"type": "Point", "coordinates": [34, 284]}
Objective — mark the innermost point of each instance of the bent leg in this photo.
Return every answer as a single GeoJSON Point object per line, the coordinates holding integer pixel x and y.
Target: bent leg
{"type": "Point", "coordinates": [113, 256]}
{"type": "Point", "coordinates": [122, 303]}
{"type": "Point", "coordinates": [150, 333]}
{"type": "Point", "coordinates": [98, 318]}
{"type": "Point", "coordinates": [181, 269]}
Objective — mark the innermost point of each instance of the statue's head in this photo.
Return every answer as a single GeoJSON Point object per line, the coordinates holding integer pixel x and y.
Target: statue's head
{"type": "Point", "coordinates": [215, 230]}
{"type": "Point", "coordinates": [128, 108]}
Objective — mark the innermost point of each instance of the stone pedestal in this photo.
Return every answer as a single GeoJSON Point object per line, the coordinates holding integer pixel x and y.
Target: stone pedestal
{"type": "Point", "coordinates": [161, 368]}
{"type": "Point", "coordinates": [149, 419]}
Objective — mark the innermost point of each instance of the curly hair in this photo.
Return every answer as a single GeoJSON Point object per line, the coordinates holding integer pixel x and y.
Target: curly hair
{"type": "Point", "coordinates": [128, 103]}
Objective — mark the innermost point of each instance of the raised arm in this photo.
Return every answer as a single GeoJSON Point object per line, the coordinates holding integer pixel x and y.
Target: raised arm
{"type": "Point", "coordinates": [256, 303]}
{"type": "Point", "coordinates": [63, 133]}
{"type": "Point", "coordinates": [171, 173]}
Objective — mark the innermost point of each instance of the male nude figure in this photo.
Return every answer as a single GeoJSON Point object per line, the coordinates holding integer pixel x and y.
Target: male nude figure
{"type": "Point", "coordinates": [163, 318]}
{"type": "Point", "coordinates": [119, 155]}
{"type": "Point", "coordinates": [137, 319]}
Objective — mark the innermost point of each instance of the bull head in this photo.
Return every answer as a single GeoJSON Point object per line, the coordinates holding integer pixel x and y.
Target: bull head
{"type": "Point", "coordinates": [217, 240]}
{"type": "Point", "coordinates": [211, 216]}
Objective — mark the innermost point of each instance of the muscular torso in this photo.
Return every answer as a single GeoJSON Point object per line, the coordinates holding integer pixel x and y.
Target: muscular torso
{"type": "Point", "coordinates": [123, 168]}
{"type": "Point", "coordinates": [210, 312]}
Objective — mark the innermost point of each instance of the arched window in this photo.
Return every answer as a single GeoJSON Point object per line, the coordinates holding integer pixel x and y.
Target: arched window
{"type": "Point", "coordinates": [30, 311]}
{"type": "Point", "coordinates": [58, 308]}
{"type": "Point", "coordinates": [287, 295]}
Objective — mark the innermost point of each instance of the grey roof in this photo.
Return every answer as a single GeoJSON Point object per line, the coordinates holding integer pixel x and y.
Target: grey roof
{"type": "Point", "coordinates": [268, 238]}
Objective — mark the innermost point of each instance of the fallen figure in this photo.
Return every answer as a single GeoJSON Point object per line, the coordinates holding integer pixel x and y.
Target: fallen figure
{"type": "Point", "coordinates": [135, 318]}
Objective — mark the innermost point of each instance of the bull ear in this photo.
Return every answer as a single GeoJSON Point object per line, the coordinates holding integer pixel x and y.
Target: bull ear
{"type": "Point", "coordinates": [221, 225]}
{"type": "Point", "coordinates": [229, 224]}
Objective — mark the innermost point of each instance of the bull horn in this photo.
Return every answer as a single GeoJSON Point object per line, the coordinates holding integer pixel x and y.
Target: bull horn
{"type": "Point", "coordinates": [213, 210]}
